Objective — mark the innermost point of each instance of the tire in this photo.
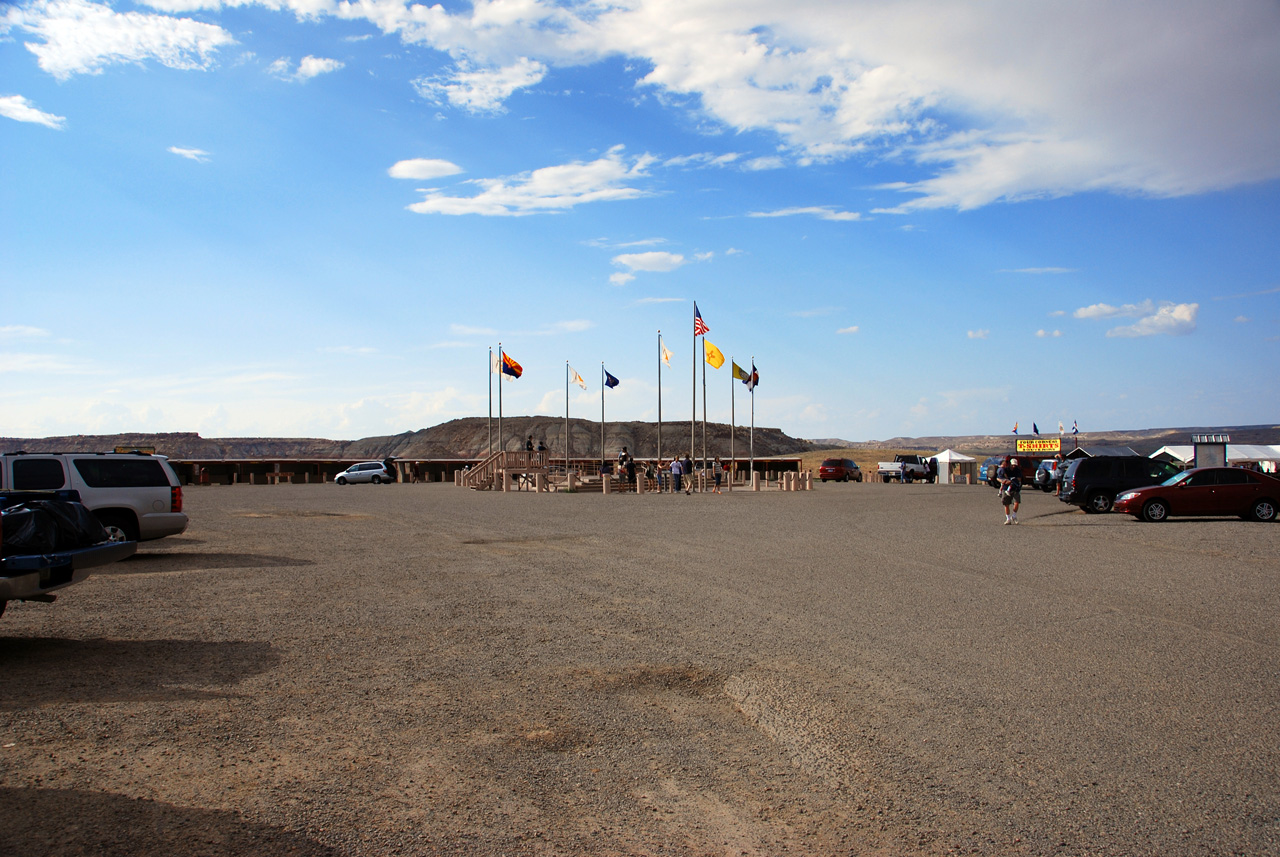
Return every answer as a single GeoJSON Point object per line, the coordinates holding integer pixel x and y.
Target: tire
{"type": "Point", "coordinates": [1100, 502]}
{"type": "Point", "coordinates": [846, 479]}
{"type": "Point", "coordinates": [1264, 510]}
{"type": "Point", "coordinates": [1155, 511]}
{"type": "Point", "coordinates": [119, 526]}
{"type": "Point", "coordinates": [341, 480]}
{"type": "Point", "coordinates": [884, 479]}
{"type": "Point", "coordinates": [376, 480]}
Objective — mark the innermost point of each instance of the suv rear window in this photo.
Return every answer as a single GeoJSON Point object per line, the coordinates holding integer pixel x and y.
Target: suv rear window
{"type": "Point", "coordinates": [121, 472]}
{"type": "Point", "coordinates": [833, 462]}
{"type": "Point", "coordinates": [37, 474]}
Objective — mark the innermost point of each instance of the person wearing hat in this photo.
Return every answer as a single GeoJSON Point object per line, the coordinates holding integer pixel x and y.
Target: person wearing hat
{"type": "Point", "coordinates": [1010, 476]}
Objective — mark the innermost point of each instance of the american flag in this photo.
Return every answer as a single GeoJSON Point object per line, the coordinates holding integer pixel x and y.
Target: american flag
{"type": "Point", "coordinates": [699, 326]}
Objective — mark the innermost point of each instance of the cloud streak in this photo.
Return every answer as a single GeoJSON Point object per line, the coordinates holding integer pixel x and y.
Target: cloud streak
{"type": "Point", "coordinates": [19, 109]}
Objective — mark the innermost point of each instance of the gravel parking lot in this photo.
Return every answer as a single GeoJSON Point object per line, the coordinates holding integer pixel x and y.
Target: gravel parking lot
{"type": "Point", "coordinates": [861, 669]}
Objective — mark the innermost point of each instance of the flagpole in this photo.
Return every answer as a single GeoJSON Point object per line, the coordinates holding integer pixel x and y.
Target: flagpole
{"type": "Point", "coordinates": [704, 407]}
{"type": "Point", "coordinates": [731, 420]}
{"type": "Point", "coordinates": [501, 366]}
{"type": "Point", "coordinates": [602, 385]}
{"type": "Point", "coordinates": [659, 397]}
{"type": "Point", "coordinates": [490, 423]}
{"type": "Point", "coordinates": [753, 419]}
{"type": "Point", "coordinates": [693, 420]}
{"type": "Point", "coordinates": [566, 421]}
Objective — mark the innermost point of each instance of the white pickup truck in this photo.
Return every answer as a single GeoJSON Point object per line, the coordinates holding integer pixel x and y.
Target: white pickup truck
{"type": "Point", "coordinates": [904, 468]}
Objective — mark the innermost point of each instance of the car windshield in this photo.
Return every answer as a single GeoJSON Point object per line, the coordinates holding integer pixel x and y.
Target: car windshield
{"type": "Point", "coordinates": [1176, 478]}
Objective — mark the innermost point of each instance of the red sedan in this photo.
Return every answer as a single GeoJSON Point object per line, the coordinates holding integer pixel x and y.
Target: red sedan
{"type": "Point", "coordinates": [1206, 491]}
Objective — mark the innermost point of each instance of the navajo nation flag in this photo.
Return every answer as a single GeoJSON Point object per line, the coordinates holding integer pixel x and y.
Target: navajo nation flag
{"type": "Point", "coordinates": [699, 326]}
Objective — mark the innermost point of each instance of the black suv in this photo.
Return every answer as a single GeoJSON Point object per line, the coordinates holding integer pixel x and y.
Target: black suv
{"type": "Point", "coordinates": [1093, 483]}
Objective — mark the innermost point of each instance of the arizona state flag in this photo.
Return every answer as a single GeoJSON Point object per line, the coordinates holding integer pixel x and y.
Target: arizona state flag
{"type": "Point", "coordinates": [511, 367]}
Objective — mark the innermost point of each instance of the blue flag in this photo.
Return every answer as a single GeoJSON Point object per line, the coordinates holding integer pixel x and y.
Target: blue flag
{"type": "Point", "coordinates": [609, 380]}
{"type": "Point", "coordinates": [1035, 429]}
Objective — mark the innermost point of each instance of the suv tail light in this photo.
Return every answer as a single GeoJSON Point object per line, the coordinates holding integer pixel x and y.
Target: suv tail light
{"type": "Point", "coordinates": [175, 498]}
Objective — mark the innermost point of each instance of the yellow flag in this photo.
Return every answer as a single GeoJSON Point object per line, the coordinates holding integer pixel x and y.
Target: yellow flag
{"type": "Point", "coordinates": [666, 355]}
{"type": "Point", "coordinates": [714, 357]}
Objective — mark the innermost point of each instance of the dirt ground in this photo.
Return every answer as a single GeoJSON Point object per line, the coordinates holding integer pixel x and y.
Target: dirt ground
{"type": "Point", "coordinates": [862, 669]}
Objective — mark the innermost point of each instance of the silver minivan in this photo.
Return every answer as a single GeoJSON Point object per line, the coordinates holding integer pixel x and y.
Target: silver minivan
{"type": "Point", "coordinates": [136, 496]}
{"type": "Point", "coordinates": [365, 471]}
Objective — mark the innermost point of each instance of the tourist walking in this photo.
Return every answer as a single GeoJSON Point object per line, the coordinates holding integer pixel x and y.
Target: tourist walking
{"type": "Point", "coordinates": [1010, 476]}
{"type": "Point", "coordinates": [717, 470]}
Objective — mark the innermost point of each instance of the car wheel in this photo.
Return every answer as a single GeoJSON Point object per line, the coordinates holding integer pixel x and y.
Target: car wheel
{"type": "Point", "coordinates": [884, 479]}
{"type": "Point", "coordinates": [376, 480]}
{"type": "Point", "coordinates": [341, 480]}
{"type": "Point", "coordinates": [1155, 511]}
{"type": "Point", "coordinates": [824, 481]}
{"type": "Point", "coordinates": [119, 526]}
{"type": "Point", "coordinates": [1264, 510]}
{"type": "Point", "coordinates": [1099, 502]}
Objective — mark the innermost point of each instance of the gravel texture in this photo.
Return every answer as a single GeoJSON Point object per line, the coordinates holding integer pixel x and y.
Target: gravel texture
{"type": "Point", "coordinates": [861, 669]}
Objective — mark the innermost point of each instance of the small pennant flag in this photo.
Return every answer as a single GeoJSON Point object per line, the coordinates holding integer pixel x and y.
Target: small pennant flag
{"type": "Point", "coordinates": [511, 367]}
{"type": "Point", "coordinates": [575, 378]}
{"type": "Point", "coordinates": [714, 357]}
{"type": "Point", "coordinates": [609, 380]}
{"type": "Point", "coordinates": [754, 380]}
{"type": "Point", "coordinates": [740, 374]}
{"type": "Point", "coordinates": [1060, 427]}
{"type": "Point", "coordinates": [666, 355]}
{"type": "Point", "coordinates": [699, 326]}
{"type": "Point", "coordinates": [1015, 427]}
{"type": "Point", "coordinates": [1075, 427]}
{"type": "Point", "coordinates": [1035, 429]}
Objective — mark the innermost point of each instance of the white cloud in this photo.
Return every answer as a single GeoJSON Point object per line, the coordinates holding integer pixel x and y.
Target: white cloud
{"type": "Point", "coordinates": [199, 155]}
{"type": "Point", "coordinates": [1171, 319]}
{"type": "Point", "coordinates": [308, 68]}
{"type": "Point", "coordinates": [1242, 319]}
{"type": "Point", "coordinates": [21, 331]}
{"type": "Point", "coordinates": [423, 168]}
{"type": "Point", "coordinates": [1108, 311]}
{"type": "Point", "coordinates": [80, 37]}
{"type": "Point", "coordinates": [481, 90]}
{"type": "Point", "coordinates": [621, 278]}
{"type": "Point", "coordinates": [19, 109]}
{"type": "Point", "coordinates": [642, 301]}
{"type": "Point", "coordinates": [824, 212]}
{"type": "Point", "coordinates": [1043, 334]}
{"type": "Point", "coordinates": [655, 260]}
{"type": "Point", "coordinates": [577, 325]}
{"type": "Point", "coordinates": [546, 190]}
{"type": "Point", "coordinates": [979, 334]}
{"type": "Point", "coordinates": [853, 329]}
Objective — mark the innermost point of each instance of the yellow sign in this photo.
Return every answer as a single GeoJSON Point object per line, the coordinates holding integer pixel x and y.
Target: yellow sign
{"type": "Point", "coordinates": [1048, 444]}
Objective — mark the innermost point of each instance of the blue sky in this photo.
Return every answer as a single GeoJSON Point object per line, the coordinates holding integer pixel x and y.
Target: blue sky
{"type": "Point", "coordinates": [308, 218]}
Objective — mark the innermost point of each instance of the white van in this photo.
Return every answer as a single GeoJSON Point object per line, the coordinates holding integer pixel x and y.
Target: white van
{"type": "Point", "coordinates": [136, 496]}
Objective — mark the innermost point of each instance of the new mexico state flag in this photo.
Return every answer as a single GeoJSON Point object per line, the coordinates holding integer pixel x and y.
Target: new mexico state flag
{"type": "Point", "coordinates": [714, 357]}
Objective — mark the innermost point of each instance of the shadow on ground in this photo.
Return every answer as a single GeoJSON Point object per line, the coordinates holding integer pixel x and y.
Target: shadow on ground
{"type": "Point", "coordinates": [152, 563]}
{"type": "Point", "coordinates": [50, 671]}
{"type": "Point", "coordinates": [61, 823]}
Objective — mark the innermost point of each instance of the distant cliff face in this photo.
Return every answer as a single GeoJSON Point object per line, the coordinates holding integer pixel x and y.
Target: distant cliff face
{"type": "Point", "coordinates": [465, 438]}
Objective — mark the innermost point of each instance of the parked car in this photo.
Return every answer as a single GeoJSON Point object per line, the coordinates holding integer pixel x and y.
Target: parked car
{"type": "Point", "coordinates": [839, 470]}
{"type": "Point", "coordinates": [1205, 491]}
{"type": "Point", "coordinates": [1093, 483]}
{"type": "Point", "coordinates": [136, 496]}
{"type": "Point", "coordinates": [987, 470]}
{"type": "Point", "coordinates": [49, 541]}
{"type": "Point", "coordinates": [1048, 474]}
{"type": "Point", "coordinates": [366, 471]}
{"type": "Point", "coordinates": [905, 468]}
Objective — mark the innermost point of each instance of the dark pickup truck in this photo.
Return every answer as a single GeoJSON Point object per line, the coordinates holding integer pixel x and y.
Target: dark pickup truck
{"type": "Point", "coordinates": [50, 541]}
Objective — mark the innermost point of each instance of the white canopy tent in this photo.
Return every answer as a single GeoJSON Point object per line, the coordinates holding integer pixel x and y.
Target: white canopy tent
{"type": "Point", "coordinates": [1237, 453]}
{"type": "Point", "coordinates": [952, 464]}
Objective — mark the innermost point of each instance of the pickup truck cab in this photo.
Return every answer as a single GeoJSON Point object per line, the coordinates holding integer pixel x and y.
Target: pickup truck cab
{"type": "Point", "coordinates": [136, 496]}
{"type": "Point", "coordinates": [28, 574]}
{"type": "Point", "coordinates": [905, 468]}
